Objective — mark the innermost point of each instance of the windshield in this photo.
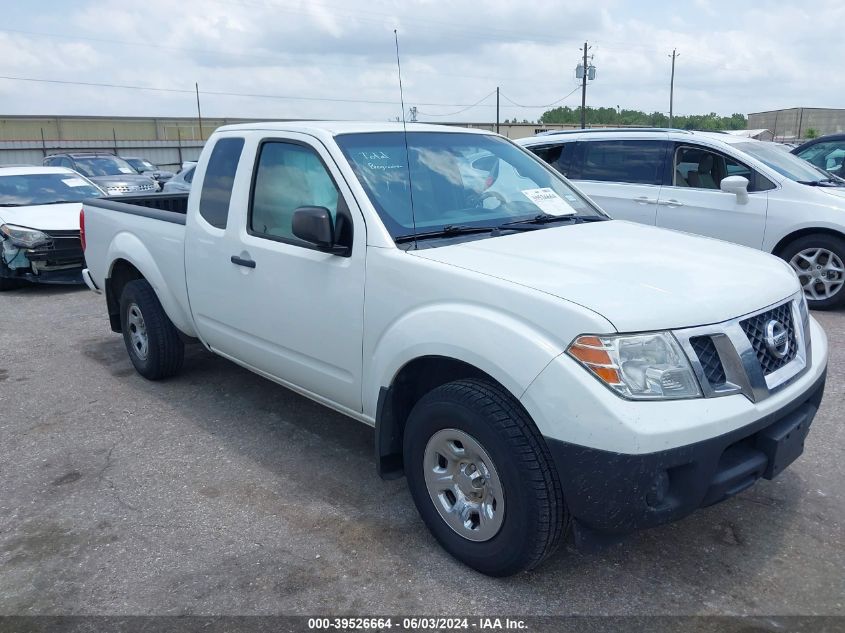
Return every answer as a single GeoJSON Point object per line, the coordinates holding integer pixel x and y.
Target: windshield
{"type": "Point", "coordinates": [93, 166]}
{"type": "Point", "coordinates": [783, 162]}
{"type": "Point", "coordinates": [32, 189]}
{"type": "Point", "coordinates": [458, 179]}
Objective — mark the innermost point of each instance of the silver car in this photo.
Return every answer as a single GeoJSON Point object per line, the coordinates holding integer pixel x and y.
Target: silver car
{"type": "Point", "coordinates": [181, 182]}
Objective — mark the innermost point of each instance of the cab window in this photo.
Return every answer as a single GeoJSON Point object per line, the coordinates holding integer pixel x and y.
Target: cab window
{"type": "Point", "coordinates": [218, 181]}
{"type": "Point", "coordinates": [288, 176]}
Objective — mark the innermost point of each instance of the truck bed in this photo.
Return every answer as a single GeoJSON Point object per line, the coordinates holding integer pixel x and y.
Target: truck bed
{"type": "Point", "coordinates": [169, 207]}
{"type": "Point", "coordinates": [148, 233]}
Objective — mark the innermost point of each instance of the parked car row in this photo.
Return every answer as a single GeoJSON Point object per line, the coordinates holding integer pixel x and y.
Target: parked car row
{"type": "Point", "coordinates": [529, 364]}
{"type": "Point", "coordinates": [732, 188]}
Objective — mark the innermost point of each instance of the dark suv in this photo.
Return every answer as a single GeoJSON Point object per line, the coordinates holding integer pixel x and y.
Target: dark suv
{"type": "Point", "coordinates": [111, 173]}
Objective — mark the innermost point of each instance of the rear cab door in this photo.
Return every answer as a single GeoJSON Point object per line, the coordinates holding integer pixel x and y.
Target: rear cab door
{"type": "Point", "coordinates": [259, 295]}
{"type": "Point", "coordinates": [623, 175]}
{"type": "Point", "coordinates": [693, 202]}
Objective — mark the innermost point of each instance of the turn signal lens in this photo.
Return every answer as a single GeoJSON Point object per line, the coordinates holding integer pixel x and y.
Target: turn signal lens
{"type": "Point", "coordinates": [638, 366]}
{"type": "Point", "coordinates": [593, 354]}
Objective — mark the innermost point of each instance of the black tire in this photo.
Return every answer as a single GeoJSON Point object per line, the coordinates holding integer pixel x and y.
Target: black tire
{"type": "Point", "coordinates": [835, 245]}
{"type": "Point", "coordinates": [164, 351]}
{"type": "Point", "coordinates": [535, 517]}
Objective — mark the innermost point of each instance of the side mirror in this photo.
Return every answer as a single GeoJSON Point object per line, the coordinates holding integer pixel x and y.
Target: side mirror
{"type": "Point", "coordinates": [315, 225]}
{"type": "Point", "coordinates": [737, 185]}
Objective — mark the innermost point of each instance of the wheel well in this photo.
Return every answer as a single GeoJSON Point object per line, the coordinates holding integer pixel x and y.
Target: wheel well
{"type": "Point", "coordinates": [395, 402]}
{"type": "Point", "coordinates": [803, 232]}
{"type": "Point", "coordinates": [122, 273]}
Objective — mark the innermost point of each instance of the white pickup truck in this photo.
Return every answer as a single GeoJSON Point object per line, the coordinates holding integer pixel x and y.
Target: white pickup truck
{"type": "Point", "coordinates": [527, 363]}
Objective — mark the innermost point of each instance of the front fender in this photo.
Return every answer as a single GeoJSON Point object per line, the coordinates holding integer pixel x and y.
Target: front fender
{"type": "Point", "coordinates": [128, 247]}
{"type": "Point", "coordinates": [508, 348]}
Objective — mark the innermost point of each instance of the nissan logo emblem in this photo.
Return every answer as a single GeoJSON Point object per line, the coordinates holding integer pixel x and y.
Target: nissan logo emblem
{"type": "Point", "coordinates": [777, 339]}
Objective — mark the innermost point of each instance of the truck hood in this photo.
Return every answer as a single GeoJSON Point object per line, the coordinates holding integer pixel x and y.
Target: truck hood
{"type": "Point", "coordinates": [44, 217]}
{"type": "Point", "coordinates": [637, 277]}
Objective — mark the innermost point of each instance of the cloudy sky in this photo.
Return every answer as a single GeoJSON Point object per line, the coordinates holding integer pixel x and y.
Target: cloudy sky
{"type": "Point", "coordinates": [338, 57]}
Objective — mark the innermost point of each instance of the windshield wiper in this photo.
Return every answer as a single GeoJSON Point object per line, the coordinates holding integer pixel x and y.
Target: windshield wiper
{"type": "Point", "coordinates": [10, 204]}
{"type": "Point", "coordinates": [450, 230]}
{"type": "Point", "coordinates": [531, 224]}
{"type": "Point", "coordinates": [822, 182]}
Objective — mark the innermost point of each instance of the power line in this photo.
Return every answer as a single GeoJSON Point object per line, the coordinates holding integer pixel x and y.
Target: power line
{"type": "Point", "coordinates": [477, 103]}
{"type": "Point", "coordinates": [277, 60]}
{"type": "Point", "coordinates": [466, 106]}
{"type": "Point", "coordinates": [547, 105]}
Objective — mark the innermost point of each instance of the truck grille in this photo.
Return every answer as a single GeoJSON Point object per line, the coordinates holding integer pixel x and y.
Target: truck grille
{"type": "Point", "coordinates": [131, 188]}
{"type": "Point", "coordinates": [754, 355]}
{"type": "Point", "coordinates": [755, 330]}
{"type": "Point", "coordinates": [711, 364]}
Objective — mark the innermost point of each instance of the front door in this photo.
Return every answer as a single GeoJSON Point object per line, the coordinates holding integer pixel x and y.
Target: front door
{"type": "Point", "coordinates": [694, 202]}
{"type": "Point", "coordinates": [285, 308]}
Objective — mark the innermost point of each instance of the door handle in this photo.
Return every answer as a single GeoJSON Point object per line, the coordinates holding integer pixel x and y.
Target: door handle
{"type": "Point", "coordinates": [645, 200]}
{"type": "Point", "coordinates": [240, 261]}
{"type": "Point", "coordinates": [671, 202]}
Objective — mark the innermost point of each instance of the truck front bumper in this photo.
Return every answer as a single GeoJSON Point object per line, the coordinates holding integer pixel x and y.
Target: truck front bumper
{"type": "Point", "coordinates": [617, 493]}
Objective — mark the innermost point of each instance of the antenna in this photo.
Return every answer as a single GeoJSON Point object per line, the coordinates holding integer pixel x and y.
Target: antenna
{"type": "Point", "coordinates": [405, 136]}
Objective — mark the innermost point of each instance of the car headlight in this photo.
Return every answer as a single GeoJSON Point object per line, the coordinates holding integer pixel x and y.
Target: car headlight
{"type": "Point", "coordinates": [638, 366]}
{"type": "Point", "coordinates": [24, 237]}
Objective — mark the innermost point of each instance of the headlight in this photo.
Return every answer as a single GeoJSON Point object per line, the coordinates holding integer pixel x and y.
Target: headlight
{"type": "Point", "coordinates": [24, 237]}
{"type": "Point", "coordinates": [638, 366]}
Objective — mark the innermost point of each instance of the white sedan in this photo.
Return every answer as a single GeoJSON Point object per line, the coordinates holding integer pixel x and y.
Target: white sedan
{"type": "Point", "coordinates": [39, 225]}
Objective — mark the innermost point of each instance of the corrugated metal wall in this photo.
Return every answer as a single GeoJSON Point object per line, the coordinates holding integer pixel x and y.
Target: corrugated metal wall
{"type": "Point", "coordinates": [792, 124]}
{"type": "Point", "coordinates": [161, 140]}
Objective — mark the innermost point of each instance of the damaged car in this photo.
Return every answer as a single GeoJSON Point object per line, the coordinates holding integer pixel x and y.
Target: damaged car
{"type": "Point", "coordinates": [39, 225]}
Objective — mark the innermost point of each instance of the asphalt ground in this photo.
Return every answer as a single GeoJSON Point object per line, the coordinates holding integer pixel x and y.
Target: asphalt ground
{"type": "Point", "coordinates": [218, 492]}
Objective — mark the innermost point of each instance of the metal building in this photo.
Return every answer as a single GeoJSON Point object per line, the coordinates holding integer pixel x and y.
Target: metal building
{"type": "Point", "coordinates": [793, 124]}
{"type": "Point", "coordinates": [167, 142]}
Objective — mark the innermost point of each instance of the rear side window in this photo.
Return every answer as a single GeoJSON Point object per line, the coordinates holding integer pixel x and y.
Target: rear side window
{"type": "Point", "coordinates": [638, 162]}
{"type": "Point", "coordinates": [218, 181]}
{"type": "Point", "coordinates": [558, 156]}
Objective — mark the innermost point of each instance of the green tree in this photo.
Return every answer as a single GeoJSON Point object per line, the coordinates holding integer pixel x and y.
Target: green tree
{"type": "Point", "coordinates": [811, 133]}
{"type": "Point", "coordinates": [612, 116]}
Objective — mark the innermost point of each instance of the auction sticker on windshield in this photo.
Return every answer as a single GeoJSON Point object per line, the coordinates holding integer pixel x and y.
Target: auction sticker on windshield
{"type": "Point", "coordinates": [75, 182]}
{"type": "Point", "coordinates": [548, 201]}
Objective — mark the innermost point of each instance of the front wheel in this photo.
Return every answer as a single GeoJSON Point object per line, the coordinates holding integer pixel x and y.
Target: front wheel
{"type": "Point", "coordinates": [819, 262]}
{"type": "Point", "coordinates": [482, 478]}
{"type": "Point", "coordinates": [151, 339]}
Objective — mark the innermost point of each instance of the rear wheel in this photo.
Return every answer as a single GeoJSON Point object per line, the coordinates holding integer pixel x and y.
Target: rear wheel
{"type": "Point", "coordinates": [482, 478]}
{"type": "Point", "coordinates": [151, 339]}
{"type": "Point", "coordinates": [819, 262]}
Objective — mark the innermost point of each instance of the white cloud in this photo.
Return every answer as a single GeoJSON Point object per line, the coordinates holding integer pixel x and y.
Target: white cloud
{"type": "Point", "coordinates": [732, 59]}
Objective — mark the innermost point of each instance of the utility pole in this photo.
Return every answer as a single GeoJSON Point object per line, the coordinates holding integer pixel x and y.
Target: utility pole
{"type": "Point", "coordinates": [672, 88]}
{"type": "Point", "coordinates": [584, 91]}
{"type": "Point", "coordinates": [497, 109]}
{"type": "Point", "coordinates": [199, 112]}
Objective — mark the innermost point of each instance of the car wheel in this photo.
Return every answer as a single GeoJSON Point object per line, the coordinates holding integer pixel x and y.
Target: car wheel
{"type": "Point", "coordinates": [482, 478]}
{"type": "Point", "coordinates": [151, 339]}
{"type": "Point", "coordinates": [819, 262]}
